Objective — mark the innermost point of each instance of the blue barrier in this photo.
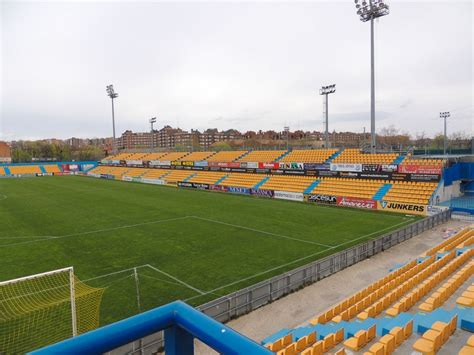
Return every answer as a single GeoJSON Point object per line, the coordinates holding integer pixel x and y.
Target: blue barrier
{"type": "Point", "coordinates": [182, 323]}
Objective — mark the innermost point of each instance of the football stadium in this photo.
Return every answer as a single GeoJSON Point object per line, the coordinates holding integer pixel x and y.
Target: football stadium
{"type": "Point", "coordinates": [222, 242]}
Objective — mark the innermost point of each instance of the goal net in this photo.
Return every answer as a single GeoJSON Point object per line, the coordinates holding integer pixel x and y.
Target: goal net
{"type": "Point", "coordinates": [42, 309]}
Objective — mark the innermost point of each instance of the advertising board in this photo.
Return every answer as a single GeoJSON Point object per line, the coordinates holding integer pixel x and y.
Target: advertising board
{"type": "Point", "coordinates": [318, 198]}
{"type": "Point", "coordinates": [314, 166]}
{"type": "Point", "coordinates": [239, 190]}
{"type": "Point", "coordinates": [346, 167]}
{"type": "Point", "coordinates": [262, 192]}
{"type": "Point", "coordinates": [193, 185]}
{"type": "Point", "coordinates": [153, 181]}
{"type": "Point", "coordinates": [291, 166]}
{"type": "Point", "coordinates": [291, 196]}
{"type": "Point", "coordinates": [268, 165]}
{"type": "Point", "coordinates": [402, 207]}
{"type": "Point", "coordinates": [356, 202]}
{"type": "Point", "coordinates": [219, 188]}
{"type": "Point", "coordinates": [420, 169]}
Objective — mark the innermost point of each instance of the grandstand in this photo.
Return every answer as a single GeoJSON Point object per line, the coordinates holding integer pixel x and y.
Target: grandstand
{"type": "Point", "coordinates": [382, 319]}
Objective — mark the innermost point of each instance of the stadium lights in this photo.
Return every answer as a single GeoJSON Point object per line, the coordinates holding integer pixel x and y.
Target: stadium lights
{"type": "Point", "coordinates": [326, 90]}
{"type": "Point", "coordinates": [445, 115]}
{"type": "Point", "coordinates": [287, 131]}
{"type": "Point", "coordinates": [368, 10]}
{"type": "Point", "coordinates": [113, 95]}
{"type": "Point", "coordinates": [152, 121]}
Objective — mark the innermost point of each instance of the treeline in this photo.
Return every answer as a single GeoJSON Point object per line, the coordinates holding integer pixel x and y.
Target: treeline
{"type": "Point", "coordinates": [26, 151]}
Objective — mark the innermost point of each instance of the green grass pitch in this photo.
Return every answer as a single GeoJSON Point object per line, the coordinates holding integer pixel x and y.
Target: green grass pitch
{"type": "Point", "coordinates": [187, 244]}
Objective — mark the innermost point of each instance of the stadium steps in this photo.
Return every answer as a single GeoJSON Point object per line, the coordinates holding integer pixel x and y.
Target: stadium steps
{"type": "Point", "coordinates": [312, 186]}
{"type": "Point", "coordinates": [243, 155]}
{"type": "Point", "coordinates": [398, 160]}
{"type": "Point", "coordinates": [261, 182]}
{"type": "Point", "coordinates": [43, 170]}
{"type": "Point", "coordinates": [379, 195]}
{"type": "Point", "coordinates": [190, 177]}
{"type": "Point", "coordinates": [221, 179]}
{"type": "Point", "coordinates": [283, 155]}
{"type": "Point", "coordinates": [332, 157]}
{"type": "Point", "coordinates": [7, 170]}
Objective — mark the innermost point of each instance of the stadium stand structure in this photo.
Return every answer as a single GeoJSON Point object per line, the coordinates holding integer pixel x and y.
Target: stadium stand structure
{"type": "Point", "coordinates": [357, 179]}
{"type": "Point", "coordinates": [381, 317]}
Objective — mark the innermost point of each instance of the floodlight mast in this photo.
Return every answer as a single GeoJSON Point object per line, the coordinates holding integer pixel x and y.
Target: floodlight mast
{"type": "Point", "coordinates": [152, 121]}
{"type": "Point", "coordinates": [369, 10]}
{"type": "Point", "coordinates": [326, 90]}
{"type": "Point", "coordinates": [445, 115]}
{"type": "Point", "coordinates": [113, 95]}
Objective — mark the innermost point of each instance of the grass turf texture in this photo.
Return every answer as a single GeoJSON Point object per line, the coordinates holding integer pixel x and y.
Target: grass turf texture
{"type": "Point", "coordinates": [196, 242]}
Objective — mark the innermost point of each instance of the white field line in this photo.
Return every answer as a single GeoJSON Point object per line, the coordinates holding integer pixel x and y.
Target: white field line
{"type": "Point", "coordinates": [177, 280]}
{"type": "Point", "coordinates": [114, 273]}
{"type": "Point", "coordinates": [97, 231]}
{"type": "Point", "coordinates": [261, 232]}
{"type": "Point", "coordinates": [291, 262]}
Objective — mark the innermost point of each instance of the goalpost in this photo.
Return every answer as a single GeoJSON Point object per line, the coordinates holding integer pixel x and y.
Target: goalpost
{"type": "Point", "coordinates": [45, 308]}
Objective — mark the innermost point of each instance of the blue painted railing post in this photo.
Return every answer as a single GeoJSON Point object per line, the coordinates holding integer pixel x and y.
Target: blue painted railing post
{"type": "Point", "coordinates": [178, 341]}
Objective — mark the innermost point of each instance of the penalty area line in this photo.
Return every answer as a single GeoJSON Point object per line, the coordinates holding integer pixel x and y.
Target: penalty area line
{"type": "Point", "coordinates": [176, 279]}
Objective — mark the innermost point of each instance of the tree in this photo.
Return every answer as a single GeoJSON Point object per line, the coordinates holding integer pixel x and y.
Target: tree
{"type": "Point", "coordinates": [218, 146]}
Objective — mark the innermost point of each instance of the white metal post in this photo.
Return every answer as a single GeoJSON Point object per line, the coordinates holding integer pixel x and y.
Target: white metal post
{"type": "Point", "coordinates": [73, 301]}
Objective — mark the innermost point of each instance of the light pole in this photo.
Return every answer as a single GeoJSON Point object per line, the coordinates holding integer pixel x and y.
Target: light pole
{"type": "Point", "coordinates": [152, 121]}
{"type": "Point", "coordinates": [369, 10]}
{"type": "Point", "coordinates": [113, 95]}
{"type": "Point", "coordinates": [326, 90]}
{"type": "Point", "coordinates": [287, 131]}
{"type": "Point", "coordinates": [445, 115]}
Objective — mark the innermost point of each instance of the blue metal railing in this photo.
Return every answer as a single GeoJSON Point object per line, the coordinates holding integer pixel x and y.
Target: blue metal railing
{"type": "Point", "coordinates": [182, 323]}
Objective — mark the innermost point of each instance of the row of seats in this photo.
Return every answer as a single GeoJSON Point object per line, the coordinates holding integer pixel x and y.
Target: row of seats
{"type": "Point", "coordinates": [447, 289]}
{"type": "Point", "coordinates": [297, 155]}
{"type": "Point", "coordinates": [358, 157]}
{"type": "Point", "coordinates": [318, 156]}
{"type": "Point", "coordinates": [308, 344]}
{"type": "Point", "coordinates": [467, 297]}
{"type": "Point", "coordinates": [347, 187]}
{"type": "Point", "coordinates": [389, 342]}
{"type": "Point", "coordinates": [30, 169]}
{"type": "Point", "coordinates": [414, 161]}
{"type": "Point", "coordinates": [450, 243]}
{"type": "Point", "coordinates": [428, 279]}
{"type": "Point", "coordinates": [434, 338]}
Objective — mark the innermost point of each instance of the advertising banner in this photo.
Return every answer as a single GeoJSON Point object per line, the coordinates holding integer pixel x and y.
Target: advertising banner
{"type": "Point", "coordinates": [268, 165]}
{"type": "Point", "coordinates": [326, 199]}
{"type": "Point", "coordinates": [239, 190]}
{"type": "Point", "coordinates": [420, 169]}
{"type": "Point", "coordinates": [431, 210]}
{"type": "Point", "coordinates": [107, 176]}
{"type": "Point", "coordinates": [378, 168]}
{"type": "Point", "coordinates": [200, 163]}
{"type": "Point", "coordinates": [153, 181]}
{"type": "Point", "coordinates": [251, 165]}
{"type": "Point", "coordinates": [193, 185]}
{"type": "Point", "coordinates": [291, 166]}
{"type": "Point", "coordinates": [134, 162]}
{"type": "Point", "coordinates": [356, 202]}
{"type": "Point", "coordinates": [346, 167]}
{"type": "Point", "coordinates": [262, 192]}
{"type": "Point", "coordinates": [93, 175]}
{"type": "Point", "coordinates": [159, 163]}
{"type": "Point", "coordinates": [126, 178]}
{"type": "Point", "coordinates": [401, 207]}
{"type": "Point", "coordinates": [224, 164]}
{"type": "Point", "coordinates": [187, 163]}
{"type": "Point", "coordinates": [292, 196]}
{"type": "Point", "coordinates": [314, 166]}
{"type": "Point", "coordinates": [220, 188]}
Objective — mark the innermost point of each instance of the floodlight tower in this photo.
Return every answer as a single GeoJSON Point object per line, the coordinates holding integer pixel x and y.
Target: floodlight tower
{"type": "Point", "coordinates": [369, 10]}
{"type": "Point", "coordinates": [287, 131]}
{"type": "Point", "coordinates": [113, 95]}
{"type": "Point", "coordinates": [445, 115]}
{"type": "Point", "coordinates": [326, 90]}
{"type": "Point", "coordinates": [152, 121]}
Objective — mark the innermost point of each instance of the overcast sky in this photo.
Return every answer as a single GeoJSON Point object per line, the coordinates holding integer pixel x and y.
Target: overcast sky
{"type": "Point", "coordinates": [242, 65]}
